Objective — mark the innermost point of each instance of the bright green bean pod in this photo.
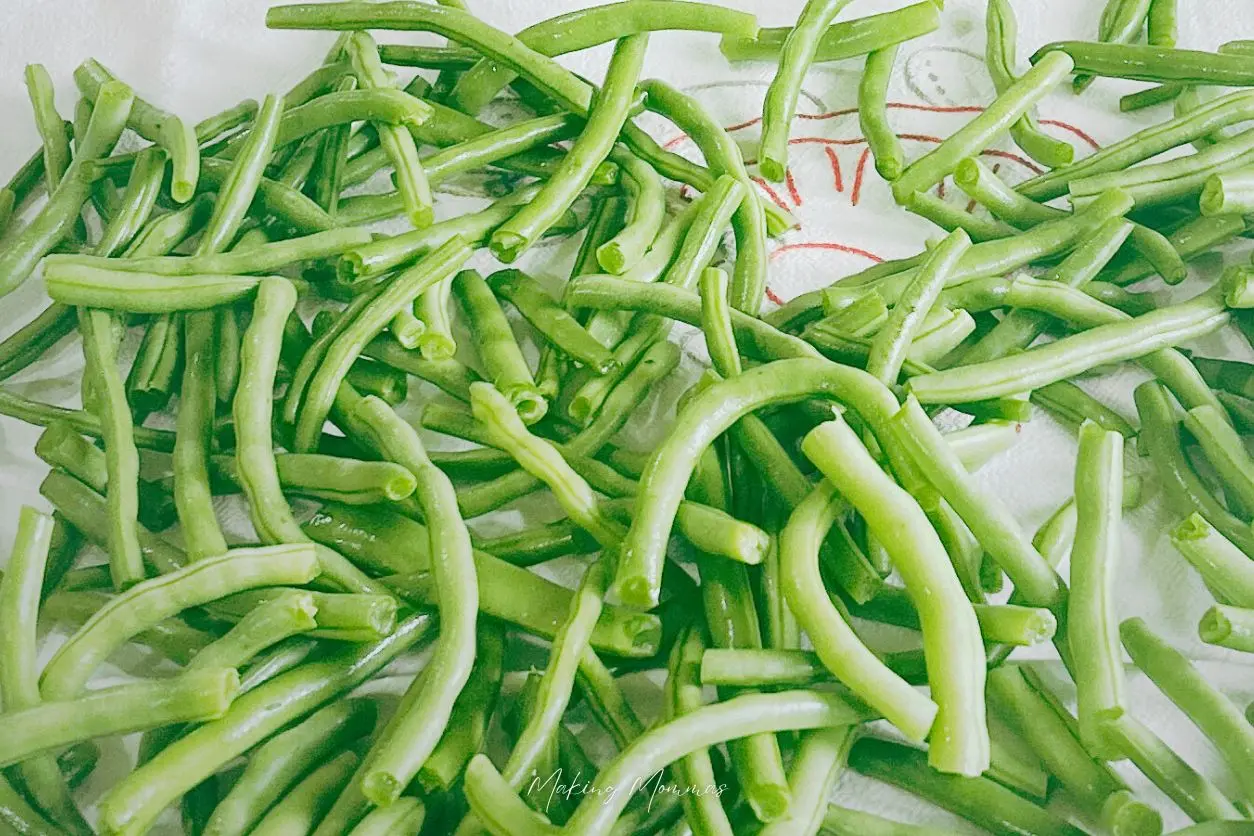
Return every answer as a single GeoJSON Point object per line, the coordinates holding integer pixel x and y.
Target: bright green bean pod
{"type": "Point", "coordinates": [431, 308]}
{"type": "Point", "coordinates": [1092, 634]}
{"type": "Point", "coordinates": [1071, 355]}
{"type": "Point", "coordinates": [843, 821]}
{"type": "Point", "coordinates": [137, 800]}
{"type": "Point", "coordinates": [1224, 450]}
{"type": "Point", "coordinates": [1152, 63]}
{"type": "Point", "coordinates": [951, 217]}
{"type": "Point", "coordinates": [1223, 566]}
{"type": "Point", "coordinates": [960, 741]}
{"type": "Point", "coordinates": [281, 763]}
{"type": "Point", "coordinates": [1231, 627]}
{"type": "Point", "coordinates": [121, 456]}
{"type": "Point", "coordinates": [551, 319]}
{"type": "Point", "coordinates": [1001, 31]}
{"type": "Point", "coordinates": [1162, 23]}
{"type": "Point", "coordinates": [646, 210]}
{"type": "Point", "coordinates": [780, 105]}
{"type": "Point", "coordinates": [605, 120]}
{"type": "Point", "coordinates": [1228, 193]}
{"type": "Point", "coordinates": [56, 145]}
{"type": "Point", "coordinates": [411, 179]}
{"type": "Point", "coordinates": [1213, 713]}
{"type": "Point", "coordinates": [816, 766]}
{"type": "Point", "coordinates": [237, 191]}
{"type": "Point", "coordinates": [405, 815]}
{"type": "Point", "coordinates": [57, 217]}
{"type": "Point", "coordinates": [266, 624]}
{"type": "Point", "coordinates": [346, 346]}
{"type": "Point", "coordinates": [30, 342]}
{"type": "Point", "coordinates": [840, 649]}
{"type": "Point", "coordinates": [73, 283]}
{"type": "Point", "coordinates": [890, 345]}
{"type": "Point", "coordinates": [497, 346]}
{"type": "Point", "coordinates": [1005, 110]}
{"type": "Point", "coordinates": [716, 208]}
{"type": "Point", "coordinates": [197, 400]}
{"type": "Point", "coordinates": [252, 408]}
{"type": "Point", "coordinates": [1190, 241]}
{"type": "Point", "coordinates": [890, 159]}
{"type": "Point", "coordinates": [194, 696]}
{"type": "Point", "coordinates": [415, 730]}
{"type": "Point", "coordinates": [720, 339]}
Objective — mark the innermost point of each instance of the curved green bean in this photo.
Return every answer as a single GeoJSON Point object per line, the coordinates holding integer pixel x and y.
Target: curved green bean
{"type": "Point", "coordinates": [890, 159]}
{"type": "Point", "coordinates": [551, 319]}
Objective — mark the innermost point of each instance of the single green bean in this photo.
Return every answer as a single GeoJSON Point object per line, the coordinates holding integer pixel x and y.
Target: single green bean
{"type": "Point", "coordinates": [74, 283]}
{"type": "Point", "coordinates": [30, 342]}
{"type": "Point", "coordinates": [605, 119]}
{"type": "Point", "coordinates": [497, 346]}
{"type": "Point", "coordinates": [51, 127]}
{"type": "Point", "coordinates": [1231, 627]}
{"type": "Point", "coordinates": [1006, 110]}
{"type": "Point", "coordinates": [1222, 566]}
{"type": "Point", "coordinates": [890, 159]}
{"type": "Point", "coordinates": [192, 495]}
{"type": "Point", "coordinates": [551, 319]}
{"type": "Point", "coordinates": [265, 625]}
{"type": "Point", "coordinates": [308, 802]}
{"type": "Point", "coordinates": [1152, 63]}
{"type": "Point", "coordinates": [646, 210]}
{"type": "Point", "coordinates": [1190, 241]}
{"type": "Point", "coordinates": [960, 740]}
{"type": "Point", "coordinates": [1224, 450]}
{"type": "Point", "coordinates": [1228, 193]}
{"type": "Point", "coordinates": [1212, 712]}
{"type": "Point", "coordinates": [780, 105]}
{"type": "Point", "coordinates": [816, 767]}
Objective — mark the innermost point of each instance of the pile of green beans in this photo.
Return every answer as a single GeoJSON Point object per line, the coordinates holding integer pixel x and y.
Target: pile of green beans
{"type": "Point", "coordinates": [801, 535]}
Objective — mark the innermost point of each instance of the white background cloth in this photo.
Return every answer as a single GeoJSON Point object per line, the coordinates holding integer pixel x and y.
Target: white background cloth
{"type": "Point", "coordinates": [197, 57]}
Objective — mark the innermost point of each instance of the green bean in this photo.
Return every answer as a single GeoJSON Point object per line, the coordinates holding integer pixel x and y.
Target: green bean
{"type": "Point", "coordinates": [56, 145]}
{"type": "Point", "coordinates": [842, 821]}
{"type": "Point", "coordinates": [20, 592]}
{"type": "Point", "coordinates": [19, 817]}
{"type": "Point", "coordinates": [787, 668]}
{"type": "Point", "coordinates": [140, 197]}
{"type": "Point", "coordinates": [121, 456]}
{"type": "Point", "coordinates": [252, 409]}
{"type": "Point", "coordinates": [1162, 23]}
{"type": "Point", "coordinates": [890, 345]}
{"type": "Point", "coordinates": [978, 800]}
{"type": "Point", "coordinates": [1192, 792]}
{"type": "Point", "coordinates": [468, 724]}
{"type": "Point", "coordinates": [399, 144]}
{"type": "Point", "coordinates": [936, 343]}
{"type": "Point", "coordinates": [1224, 450]}
{"type": "Point", "coordinates": [415, 730]}
{"type": "Point", "coordinates": [605, 120]}
{"type": "Point", "coordinates": [840, 649]}
{"type": "Point", "coordinates": [1222, 566]}
{"type": "Point", "coordinates": [1225, 626]}
{"type": "Point", "coordinates": [1052, 734]}
{"type": "Point", "coordinates": [310, 800]}
{"type": "Point", "coordinates": [78, 762]}
{"type": "Point", "coordinates": [1183, 489]}
{"type": "Point", "coordinates": [780, 105]}
{"type": "Point", "coordinates": [373, 317]}
{"type": "Point", "coordinates": [497, 346]}
{"type": "Point", "coordinates": [960, 742]}
{"type": "Point", "coordinates": [1091, 632]}
{"type": "Point", "coordinates": [885, 148]}
{"type": "Point", "coordinates": [1122, 21]}
{"type": "Point", "coordinates": [332, 162]}
{"type": "Point", "coordinates": [255, 716]}
{"type": "Point", "coordinates": [589, 27]}
{"type": "Point", "coordinates": [153, 124]}
{"type": "Point", "coordinates": [237, 191]}
{"type": "Point", "coordinates": [30, 342]}
{"type": "Point", "coordinates": [1228, 193]}
{"type": "Point", "coordinates": [645, 214]}
{"type": "Point", "coordinates": [428, 57]}
{"type": "Point", "coordinates": [1152, 63]}
{"type": "Point", "coordinates": [192, 495]}
{"type": "Point", "coordinates": [334, 478]}
{"type": "Point", "coordinates": [57, 217]}
{"type": "Point", "coordinates": [194, 696]}
{"type": "Point", "coordinates": [844, 39]}
{"type": "Point", "coordinates": [1001, 32]}
{"type": "Point", "coordinates": [538, 544]}
{"type": "Point", "coordinates": [151, 601]}
{"type": "Point", "coordinates": [452, 377]}
{"type": "Point", "coordinates": [1071, 355]}
{"type": "Point", "coordinates": [8, 203]}
{"type": "Point", "coordinates": [1212, 712]}
{"type": "Point", "coordinates": [551, 319]}
{"type": "Point", "coordinates": [74, 283]}
{"type": "Point", "coordinates": [283, 762]}
{"type": "Point", "coordinates": [1005, 111]}
{"type": "Point", "coordinates": [153, 377]}
{"type": "Point", "coordinates": [816, 766]}
{"type": "Point", "coordinates": [1151, 96]}
{"type": "Point", "coordinates": [1195, 238]}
